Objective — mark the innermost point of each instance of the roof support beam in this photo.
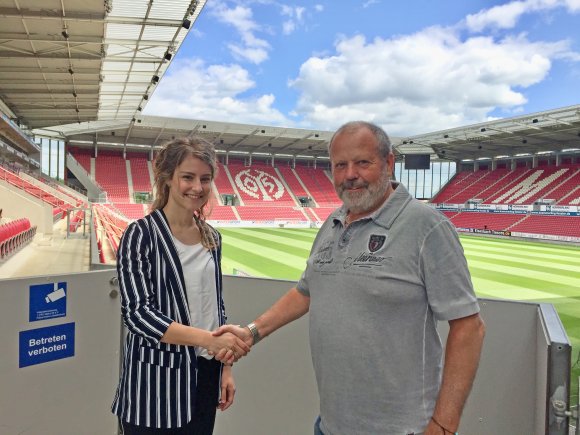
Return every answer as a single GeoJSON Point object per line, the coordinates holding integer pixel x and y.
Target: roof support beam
{"type": "Point", "coordinates": [76, 56]}
{"type": "Point", "coordinates": [80, 39]}
{"type": "Point", "coordinates": [83, 17]}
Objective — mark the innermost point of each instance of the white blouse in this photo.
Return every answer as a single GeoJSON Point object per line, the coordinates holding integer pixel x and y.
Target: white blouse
{"type": "Point", "coordinates": [199, 273]}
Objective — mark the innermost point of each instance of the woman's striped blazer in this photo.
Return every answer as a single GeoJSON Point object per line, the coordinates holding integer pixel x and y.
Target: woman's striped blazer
{"type": "Point", "coordinates": [158, 380]}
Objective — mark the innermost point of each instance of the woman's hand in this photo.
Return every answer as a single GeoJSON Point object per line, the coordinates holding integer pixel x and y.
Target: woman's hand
{"type": "Point", "coordinates": [227, 348]}
{"type": "Point", "coordinates": [228, 389]}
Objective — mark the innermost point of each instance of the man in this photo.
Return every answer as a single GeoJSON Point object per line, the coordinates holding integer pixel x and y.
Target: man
{"type": "Point", "coordinates": [383, 269]}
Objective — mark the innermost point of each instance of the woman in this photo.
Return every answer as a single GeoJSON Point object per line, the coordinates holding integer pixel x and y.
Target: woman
{"type": "Point", "coordinates": [171, 298]}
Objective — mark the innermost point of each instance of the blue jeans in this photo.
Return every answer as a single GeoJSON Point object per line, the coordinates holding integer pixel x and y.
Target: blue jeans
{"type": "Point", "coordinates": [317, 430]}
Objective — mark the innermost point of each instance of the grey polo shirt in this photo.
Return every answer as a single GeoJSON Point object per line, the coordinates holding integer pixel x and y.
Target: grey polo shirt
{"type": "Point", "coordinates": [376, 290]}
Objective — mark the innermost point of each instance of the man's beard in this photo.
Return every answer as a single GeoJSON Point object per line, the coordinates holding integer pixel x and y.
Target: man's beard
{"type": "Point", "coordinates": [366, 199]}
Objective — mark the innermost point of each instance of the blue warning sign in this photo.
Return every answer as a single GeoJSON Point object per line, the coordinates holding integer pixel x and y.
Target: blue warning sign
{"type": "Point", "coordinates": [47, 301]}
{"type": "Point", "coordinates": [37, 346]}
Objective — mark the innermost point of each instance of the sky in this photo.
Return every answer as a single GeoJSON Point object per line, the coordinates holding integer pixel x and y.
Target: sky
{"type": "Point", "coordinates": [414, 66]}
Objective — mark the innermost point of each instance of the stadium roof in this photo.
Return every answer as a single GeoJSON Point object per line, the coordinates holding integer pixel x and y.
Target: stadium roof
{"type": "Point", "coordinates": [77, 60]}
{"type": "Point", "coordinates": [549, 131]}
{"type": "Point", "coordinates": [553, 130]}
{"type": "Point", "coordinates": [149, 132]}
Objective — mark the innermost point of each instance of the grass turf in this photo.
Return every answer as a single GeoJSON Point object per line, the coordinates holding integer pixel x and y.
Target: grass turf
{"type": "Point", "coordinates": [500, 268]}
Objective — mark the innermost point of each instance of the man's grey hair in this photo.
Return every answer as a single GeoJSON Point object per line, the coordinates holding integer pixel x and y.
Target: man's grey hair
{"type": "Point", "coordinates": [382, 138]}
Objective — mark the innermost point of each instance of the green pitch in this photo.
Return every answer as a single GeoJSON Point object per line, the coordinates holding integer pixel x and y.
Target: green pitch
{"type": "Point", "coordinates": [500, 268]}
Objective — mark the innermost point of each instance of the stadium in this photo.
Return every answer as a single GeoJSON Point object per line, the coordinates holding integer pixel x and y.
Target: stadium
{"type": "Point", "coordinates": [76, 157]}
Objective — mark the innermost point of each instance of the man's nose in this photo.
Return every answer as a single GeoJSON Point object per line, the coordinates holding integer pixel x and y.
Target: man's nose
{"type": "Point", "coordinates": [351, 172]}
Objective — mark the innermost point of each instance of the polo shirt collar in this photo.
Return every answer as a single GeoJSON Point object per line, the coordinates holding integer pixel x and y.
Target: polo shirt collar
{"type": "Point", "coordinates": [387, 213]}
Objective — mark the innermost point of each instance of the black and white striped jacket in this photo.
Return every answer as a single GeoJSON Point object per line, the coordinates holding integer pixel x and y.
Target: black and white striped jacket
{"type": "Point", "coordinates": [158, 380]}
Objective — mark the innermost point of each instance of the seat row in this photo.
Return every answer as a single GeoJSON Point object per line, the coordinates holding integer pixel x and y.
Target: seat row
{"type": "Point", "coordinates": [14, 235]}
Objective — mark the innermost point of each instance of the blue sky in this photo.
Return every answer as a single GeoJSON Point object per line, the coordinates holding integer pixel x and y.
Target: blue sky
{"type": "Point", "coordinates": [412, 66]}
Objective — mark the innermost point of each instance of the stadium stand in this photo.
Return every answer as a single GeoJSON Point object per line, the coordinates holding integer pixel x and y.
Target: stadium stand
{"type": "Point", "coordinates": [293, 182]}
{"type": "Point", "coordinates": [83, 156]}
{"type": "Point", "coordinates": [111, 174]}
{"type": "Point", "coordinates": [223, 213]}
{"type": "Point", "coordinates": [139, 172]}
{"type": "Point", "coordinates": [38, 190]}
{"type": "Point", "coordinates": [491, 221]}
{"type": "Point", "coordinates": [270, 213]}
{"type": "Point", "coordinates": [319, 185]}
{"type": "Point", "coordinates": [554, 225]}
{"type": "Point", "coordinates": [14, 235]}
{"type": "Point", "coordinates": [131, 211]}
{"type": "Point", "coordinates": [222, 182]}
{"type": "Point", "coordinates": [502, 186]}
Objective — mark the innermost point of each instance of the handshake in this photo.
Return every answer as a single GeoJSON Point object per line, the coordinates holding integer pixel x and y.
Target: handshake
{"type": "Point", "coordinates": [229, 343]}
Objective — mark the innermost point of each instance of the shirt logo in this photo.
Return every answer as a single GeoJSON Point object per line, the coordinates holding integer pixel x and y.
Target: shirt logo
{"type": "Point", "coordinates": [376, 242]}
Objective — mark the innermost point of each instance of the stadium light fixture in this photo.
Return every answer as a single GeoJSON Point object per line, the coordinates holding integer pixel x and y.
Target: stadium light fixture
{"type": "Point", "coordinates": [186, 24]}
{"type": "Point", "coordinates": [482, 130]}
{"type": "Point", "coordinates": [524, 141]}
{"type": "Point", "coordinates": [65, 34]}
{"type": "Point", "coordinates": [467, 160]}
{"type": "Point", "coordinates": [535, 120]}
{"type": "Point", "coordinates": [502, 157]}
{"type": "Point", "coordinates": [484, 158]}
{"type": "Point", "coordinates": [155, 79]}
{"type": "Point", "coordinates": [569, 150]}
{"type": "Point", "coordinates": [522, 155]}
{"type": "Point", "coordinates": [540, 153]}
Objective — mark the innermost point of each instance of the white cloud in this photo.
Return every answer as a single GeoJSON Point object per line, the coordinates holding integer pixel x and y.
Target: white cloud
{"type": "Point", "coordinates": [295, 17]}
{"type": "Point", "coordinates": [214, 93]}
{"type": "Point", "coordinates": [421, 82]}
{"type": "Point", "coordinates": [573, 5]}
{"type": "Point", "coordinates": [507, 15]}
{"type": "Point", "coordinates": [318, 7]}
{"type": "Point", "coordinates": [255, 55]}
{"type": "Point", "coordinates": [252, 48]}
{"type": "Point", "coordinates": [288, 27]}
{"type": "Point", "coordinates": [502, 16]}
{"type": "Point", "coordinates": [370, 3]}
